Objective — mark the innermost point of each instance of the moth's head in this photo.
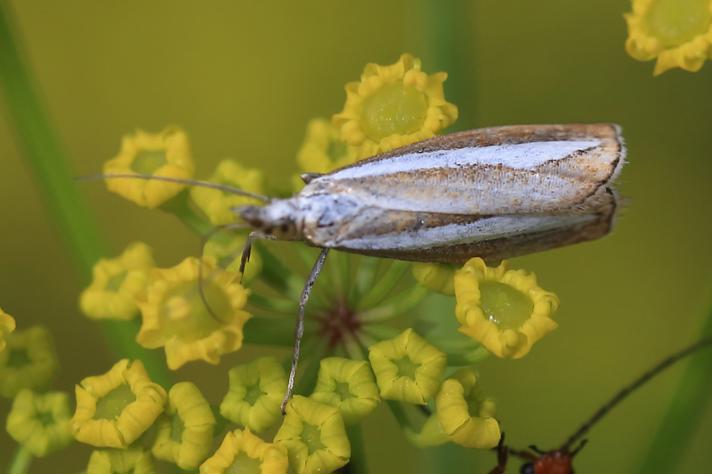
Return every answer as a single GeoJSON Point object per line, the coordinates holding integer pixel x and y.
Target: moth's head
{"type": "Point", "coordinates": [278, 219]}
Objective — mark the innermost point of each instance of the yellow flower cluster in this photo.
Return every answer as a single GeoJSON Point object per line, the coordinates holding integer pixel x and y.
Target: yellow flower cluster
{"type": "Point", "coordinates": [111, 461]}
{"type": "Point", "coordinates": [389, 107]}
{"type": "Point", "coordinates": [7, 325]}
{"type": "Point", "coordinates": [409, 369]}
{"type": "Point", "coordinates": [28, 361]}
{"type": "Point", "coordinates": [314, 436]}
{"type": "Point", "coordinates": [195, 311]}
{"type": "Point", "coordinates": [114, 409]}
{"type": "Point", "coordinates": [394, 105]}
{"type": "Point", "coordinates": [243, 452]}
{"type": "Point", "coordinates": [347, 385]}
{"type": "Point", "coordinates": [175, 317]}
{"type": "Point", "coordinates": [184, 434]}
{"type": "Point", "coordinates": [676, 32]}
{"type": "Point", "coordinates": [116, 284]}
{"type": "Point", "coordinates": [504, 310]}
{"type": "Point", "coordinates": [218, 205]}
{"type": "Point", "coordinates": [255, 394]}
{"type": "Point", "coordinates": [40, 422]}
{"type": "Point", "coordinates": [166, 153]}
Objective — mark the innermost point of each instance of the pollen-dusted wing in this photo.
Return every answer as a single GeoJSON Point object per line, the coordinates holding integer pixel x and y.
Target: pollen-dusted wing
{"type": "Point", "coordinates": [495, 193]}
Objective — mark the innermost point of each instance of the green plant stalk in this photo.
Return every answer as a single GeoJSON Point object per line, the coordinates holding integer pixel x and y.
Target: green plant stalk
{"type": "Point", "coordinates": [45, 157]}
{"type": "Point", "coordinates": [684, 412]}
{"type": "Point", "coordinates": [446, 43]}
{"type": "Point", "coordinates": [357, 463]}
{"type": "Point", "coordinates": [21, 462]}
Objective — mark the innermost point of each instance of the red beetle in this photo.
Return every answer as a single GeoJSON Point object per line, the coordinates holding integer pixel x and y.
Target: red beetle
{"type": "Point", "coordinates": [560, 460]}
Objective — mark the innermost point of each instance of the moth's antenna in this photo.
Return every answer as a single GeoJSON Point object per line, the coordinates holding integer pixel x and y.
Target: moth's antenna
{"type": "Point", "coordinates": [203, 242]}
{"type": "Point", "coordinates": [190, 182]}
{"type": "Point", "coordinates": [636, 384]}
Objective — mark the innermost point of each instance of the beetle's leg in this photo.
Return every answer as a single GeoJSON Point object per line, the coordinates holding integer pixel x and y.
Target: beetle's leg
{"type": "Point", "coordinates": [534, 448]}
{"type": "Point", "coordinates": [502, 457]}
{"type": "Point", "coordinates": [299, 329]}
{"type": "Point", "coordinates": [579, 447]}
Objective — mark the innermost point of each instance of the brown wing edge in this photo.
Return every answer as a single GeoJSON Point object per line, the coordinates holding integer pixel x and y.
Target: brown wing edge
{"type": "Point", "coordinates": [603, 206]}
{"type": "Point", "coordinates": [508, 134]}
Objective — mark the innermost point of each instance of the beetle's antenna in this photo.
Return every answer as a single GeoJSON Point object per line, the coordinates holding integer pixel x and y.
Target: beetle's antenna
{"type": "Point", "coordinates": [299, 329]}
{"type": "Point", "coordinates": [636, 384]}
{"type": "Point", "coordinates": [190, 182]}
{"type": "Point", "coordinates": [203, 242]}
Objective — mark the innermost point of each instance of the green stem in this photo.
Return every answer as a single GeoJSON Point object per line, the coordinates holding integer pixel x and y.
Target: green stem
{"type": "Point", "coordinates": [269, 331]}
{"type": "Point", "coordinates": [357, 464]}
{"type": "Point", "coordinates": [445, 32]}
{"type": "Point", "coordinates": [21, 462]}
{"type": "Point", "coordinates": [273, 305]}
{"type": "Point", "coordinates": [47, 160]}
{"type": "Point", "coordinates": [684, 412]}
{"type": "Point", "coordinates": [365, 276]}
{"type": "Point", "coordinates": [385, 285]}
{"type": "Point", "coordinates": [180, 207]}
{"type": "Point", "coordinates": [406, 301]}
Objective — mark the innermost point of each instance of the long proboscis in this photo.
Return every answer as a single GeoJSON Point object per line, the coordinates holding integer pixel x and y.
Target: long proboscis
{"type": "Point", "coordinates": [189, 182]}
{"type": "Point", "coordinates": [633, 386]}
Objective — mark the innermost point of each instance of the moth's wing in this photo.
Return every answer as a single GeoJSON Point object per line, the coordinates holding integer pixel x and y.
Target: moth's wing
{"type": "Point", "coordinates": [492, 171]}
{"type": "Point", "coordinates": [447, 238]}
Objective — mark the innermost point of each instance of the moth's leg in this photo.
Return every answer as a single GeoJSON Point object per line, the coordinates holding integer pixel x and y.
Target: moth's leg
{"type": "Point", "coordinates": [203, 242]}
{"type": "Point", "coordinates": [309, 177]}
{"type": "Point", "coordinates": [299, 329]}
{"type": "Point", "coordinates": [247, 249]}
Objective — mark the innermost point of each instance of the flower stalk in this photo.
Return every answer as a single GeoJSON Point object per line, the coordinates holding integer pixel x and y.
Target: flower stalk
{"type": "Point", "coordinates": [679, 424]}
{"type": "Point", "coordinates": [47, 160]}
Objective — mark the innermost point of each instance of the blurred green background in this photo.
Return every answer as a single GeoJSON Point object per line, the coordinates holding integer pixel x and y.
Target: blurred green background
{"type": "Point", "coordinates": [244, 77]}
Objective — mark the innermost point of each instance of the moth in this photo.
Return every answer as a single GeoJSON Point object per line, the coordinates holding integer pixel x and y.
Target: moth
{"type": "Point", "coordinates": [560, 460]}
{"type": "Point", "coordinates": [493, 193]}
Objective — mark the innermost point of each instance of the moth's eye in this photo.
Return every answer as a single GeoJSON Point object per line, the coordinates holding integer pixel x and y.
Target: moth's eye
{"type": "Point", "coordinates": [527, 468]}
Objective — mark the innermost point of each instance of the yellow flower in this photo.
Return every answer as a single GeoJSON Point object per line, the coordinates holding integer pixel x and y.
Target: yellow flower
{"type": "Point", "coordinates": [7, 325]}
{"type": "Point", "coordinates": [40, 423]}
{"type": "Point", "coordinates": [466, 416]}
{"type": "Point", "coordinates": [255, 394]}
{"type": "Point", "coordinates": [166, 153]}
{"type": "Point", "coordinates": [677, 32]}
{"type": "Point", "coordinates": [185, 433]}
{"type": "Point", "coordinates": [175, 317]}
{"type": "Point", "coordinates": [127, 461]}
{"type": "Point", "coordinates": [407, 368]}
{"type": "Point", "coordinates": [314, 436]}
{"type": "Point", "coordinates": [435, 276]}
{"type": "Point", "coordinates": [114, 409]}
{"type": "Point", "coordinates": [323, 150]}
{"type": "Point", "coordinates": [227, 255]}
{"type": "Point", "coordinates": [347, 385]}
{"type": "Point", "coordinates": [116, 283]}
{"type": "Point", "coordinates": [218, 205]}
{"type": "Point", "coordinates": [28, 361]}
{"type": "Point", "coordinates": [393, 106]}
{"type": "Point", "coordinates": [244, 453]}
{"type": "Point", "coordinates": [504, 310]}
